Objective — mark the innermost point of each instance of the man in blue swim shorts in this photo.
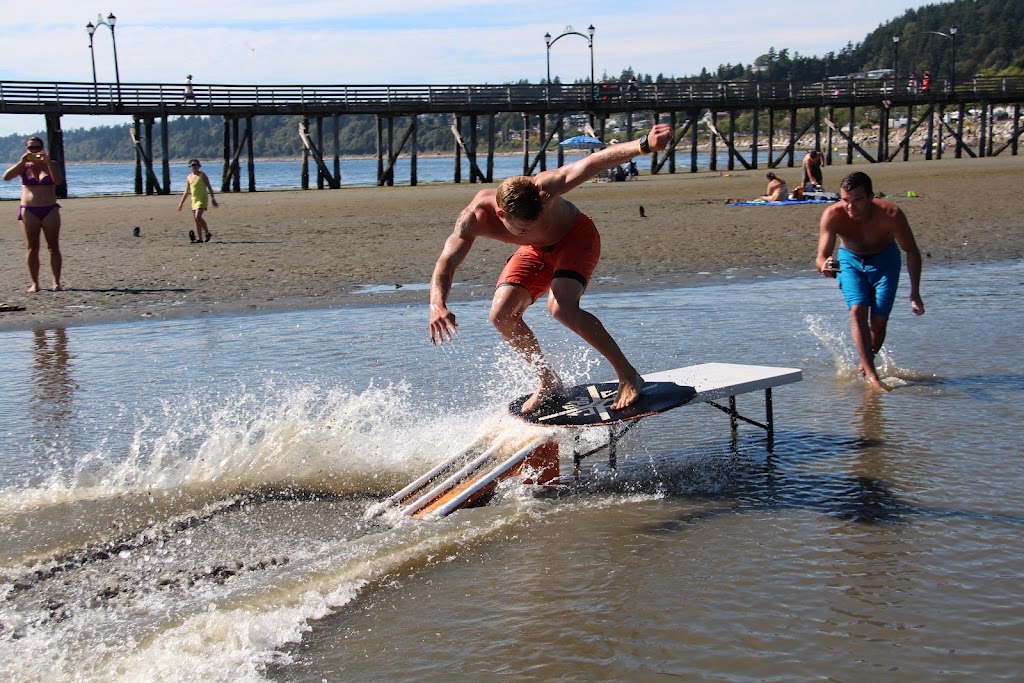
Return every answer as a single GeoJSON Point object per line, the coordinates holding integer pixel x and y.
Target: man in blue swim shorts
{"type": "Point", "coordinates": [559, 248]}
{"type": "Point", "coordinates": [871, 233]}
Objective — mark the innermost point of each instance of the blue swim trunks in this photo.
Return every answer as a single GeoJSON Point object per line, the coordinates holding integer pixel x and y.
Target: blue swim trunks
{"type": "Point", "coordinates": [870, 280]}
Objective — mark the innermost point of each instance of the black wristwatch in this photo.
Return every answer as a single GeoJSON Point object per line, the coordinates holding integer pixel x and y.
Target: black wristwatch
{"type": "Point", "coordinates": [645, 148]}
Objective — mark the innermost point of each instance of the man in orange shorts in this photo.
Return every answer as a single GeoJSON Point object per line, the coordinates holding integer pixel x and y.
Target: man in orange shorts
{"type": "Point", "coordinates": [559, 249]}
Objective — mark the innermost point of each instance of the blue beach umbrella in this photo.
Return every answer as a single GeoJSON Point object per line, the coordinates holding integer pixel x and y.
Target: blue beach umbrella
{"type": "Point", "coordinates": [582, 142]}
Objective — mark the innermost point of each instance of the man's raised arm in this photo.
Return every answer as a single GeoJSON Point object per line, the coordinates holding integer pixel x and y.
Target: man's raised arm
{"type": "Point", "coordinates": [561, 180]}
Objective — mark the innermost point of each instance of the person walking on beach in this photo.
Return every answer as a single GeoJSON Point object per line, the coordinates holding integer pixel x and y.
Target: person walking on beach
{"type": "Point", "coordinates": [39, 213]}
{"type": "Point", "coordinates": [197, 184]}
{"type": "Point", "coordinates": [871, 233]}
{"type": "Point", "coordinates": [559, 248]}
{"type": "Point", "coordinates": [813, 161]}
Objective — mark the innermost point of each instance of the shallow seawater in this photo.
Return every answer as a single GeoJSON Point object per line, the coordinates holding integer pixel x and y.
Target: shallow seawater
{"type": "Point", "coordinates": [184, 500]}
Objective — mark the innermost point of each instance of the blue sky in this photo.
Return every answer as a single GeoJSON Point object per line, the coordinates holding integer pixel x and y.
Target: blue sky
{"type": "Point", "coordinates": [406, 42]}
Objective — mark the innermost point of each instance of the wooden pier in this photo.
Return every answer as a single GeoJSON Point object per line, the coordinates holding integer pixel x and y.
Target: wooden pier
{"type": "Point", "coordinates": [938, 116]}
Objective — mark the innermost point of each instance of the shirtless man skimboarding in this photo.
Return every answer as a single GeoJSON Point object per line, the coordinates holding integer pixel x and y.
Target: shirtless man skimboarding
{"type": "Point", "coordinates": [559, 250]}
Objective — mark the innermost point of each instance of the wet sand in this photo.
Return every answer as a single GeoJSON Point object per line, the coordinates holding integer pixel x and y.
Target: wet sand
{"type": "Point", "coordinates": [320, 248]}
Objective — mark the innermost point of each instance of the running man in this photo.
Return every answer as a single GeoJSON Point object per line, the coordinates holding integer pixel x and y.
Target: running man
{"type": "Point", "coordinates": [871, 232]}
{"type": "Point", "coordinates": [559, 250]}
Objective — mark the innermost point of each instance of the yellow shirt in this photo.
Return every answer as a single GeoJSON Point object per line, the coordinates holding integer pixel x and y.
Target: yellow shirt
{"type": "Point", "coordinates": [197, 188]}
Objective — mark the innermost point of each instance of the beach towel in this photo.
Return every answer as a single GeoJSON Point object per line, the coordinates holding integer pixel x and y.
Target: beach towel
{"type": "Point", "coordinates": [787, 202]}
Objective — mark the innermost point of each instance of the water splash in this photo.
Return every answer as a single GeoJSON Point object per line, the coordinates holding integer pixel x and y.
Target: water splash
{"type": "Point", "coordinates": [840, 347]}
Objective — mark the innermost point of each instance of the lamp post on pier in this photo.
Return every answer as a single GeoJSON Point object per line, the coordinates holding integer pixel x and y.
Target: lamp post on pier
{"type": "Point", "coordinates": [109, 23]}
{"type": "Point", "coordinates": [895, 64]}
{"type": "Point", "coordinates": [952, 37]}
{"type": "Point", "coordinates": [549, 41]}
{"type": "Point", "coordinates": [952, 68]}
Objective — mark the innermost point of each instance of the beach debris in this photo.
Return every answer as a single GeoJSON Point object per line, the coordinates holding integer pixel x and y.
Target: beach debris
{"type": "Point", "coordinates": [642, 214]}
{"type": "Point", "coordinates": [136, 230]}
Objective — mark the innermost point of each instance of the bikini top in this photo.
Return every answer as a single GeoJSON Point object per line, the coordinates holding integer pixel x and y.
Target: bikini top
{"type": "Point", "coordinates": [26, 179]}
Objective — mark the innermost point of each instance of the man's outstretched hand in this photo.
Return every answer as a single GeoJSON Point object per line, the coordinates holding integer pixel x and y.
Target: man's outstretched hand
{"type": "Point", "coordinates": [659, 137]}
{"type": "Point", "coordinates": [442, 325]}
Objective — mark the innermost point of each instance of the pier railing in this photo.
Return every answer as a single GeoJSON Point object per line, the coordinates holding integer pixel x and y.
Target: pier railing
{"type": "Point", "coordinates": [30, 97]}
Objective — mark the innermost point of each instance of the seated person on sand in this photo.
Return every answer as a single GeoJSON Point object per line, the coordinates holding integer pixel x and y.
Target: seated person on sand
{"type": "Point", "coordinates": [777, 190]}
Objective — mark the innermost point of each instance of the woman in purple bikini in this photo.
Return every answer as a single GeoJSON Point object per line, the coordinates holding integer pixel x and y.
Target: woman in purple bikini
{"type": "Point", "coordinates": [39, 212]}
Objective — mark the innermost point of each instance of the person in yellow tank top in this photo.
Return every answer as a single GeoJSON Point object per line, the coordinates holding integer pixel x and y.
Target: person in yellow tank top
{"type": "Point", "coordinates": [197, 185]}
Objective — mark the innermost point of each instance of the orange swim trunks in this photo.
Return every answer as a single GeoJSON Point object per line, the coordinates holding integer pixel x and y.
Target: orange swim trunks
{"type": "Point", "coordinates": [575, 257]}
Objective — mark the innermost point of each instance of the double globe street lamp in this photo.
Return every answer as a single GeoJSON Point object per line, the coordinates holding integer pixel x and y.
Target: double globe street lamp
{"type": "Point", "coordinates": [549, 41]}
{"type": "Point", "coordinates": [91, 28]}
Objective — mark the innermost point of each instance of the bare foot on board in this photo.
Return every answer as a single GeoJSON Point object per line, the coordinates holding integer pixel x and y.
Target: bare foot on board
{"type": "Point", "coordinates": [547, 388]}
{"type": "Point", "coordinates": [629, 392]}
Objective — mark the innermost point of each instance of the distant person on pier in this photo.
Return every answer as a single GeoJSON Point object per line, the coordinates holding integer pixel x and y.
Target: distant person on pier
{"type": "Point", "coordinates": [813, 161]}
{"type": "Point", "coordinates": [558, 249]}
{"type": "Point", "coordinates": [197, 184]}
{"type": "Point", "coordinates": [39, 212]}
{"type": "Point", "coordinates": [777, 190]}
{"type": "Point", "coordinates": [189, 94]}
{"type": "Point", "coordinates": [926, 82]}
{"type": "Point", "coordinates": [912, 83]}
{"type": "Point", "coordinates": [871, 233]}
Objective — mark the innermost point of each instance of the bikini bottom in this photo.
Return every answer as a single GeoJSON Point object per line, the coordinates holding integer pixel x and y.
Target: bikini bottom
{"type": "Point", "coordinates": [39, 212]}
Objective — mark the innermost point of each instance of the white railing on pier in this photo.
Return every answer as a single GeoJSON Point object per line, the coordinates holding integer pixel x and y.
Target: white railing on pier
{"type": "Point", "coordinates": [71, 97]}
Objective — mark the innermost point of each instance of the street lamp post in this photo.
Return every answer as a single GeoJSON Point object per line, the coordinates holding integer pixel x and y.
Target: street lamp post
{"type": "Point", "coordinates": [895, 64]}
{"type": "Point", "coordinates": [952, 67]}
{"type": "Point", "coordinates": [549, 41]}
{"type": "Point", "coordinates": [110, 21]}
{"type": "Point", "coordinates": [952, 37]}
{"type": "Point", "coordinates": [92, 56]}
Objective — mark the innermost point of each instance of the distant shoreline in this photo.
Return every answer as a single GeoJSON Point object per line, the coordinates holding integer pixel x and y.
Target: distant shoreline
{"type": "Point", "coordinates": [1001, 131]}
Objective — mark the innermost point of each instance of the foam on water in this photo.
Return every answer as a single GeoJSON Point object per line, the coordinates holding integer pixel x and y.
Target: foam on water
{"type": "Point", "coordinates": [837, 342]}
{"type": "Point", "coordinates": [218, 626]}
{"type": "Point", "coordinates": [210, 544]}
{"type": "Point", "coordinates": [218, 535]}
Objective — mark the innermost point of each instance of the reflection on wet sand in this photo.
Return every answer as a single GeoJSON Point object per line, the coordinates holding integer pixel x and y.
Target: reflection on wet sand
{"type": "Point", "coordinates": [51, 377]}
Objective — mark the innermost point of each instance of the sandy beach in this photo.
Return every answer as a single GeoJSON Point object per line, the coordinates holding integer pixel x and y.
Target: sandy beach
{"type": "Point", "coordinates": [319, 248]}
